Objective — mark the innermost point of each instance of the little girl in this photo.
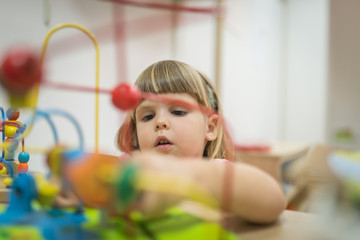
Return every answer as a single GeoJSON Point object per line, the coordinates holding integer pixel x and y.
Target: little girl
{"type": "Point", "coordinates": [180, 141]}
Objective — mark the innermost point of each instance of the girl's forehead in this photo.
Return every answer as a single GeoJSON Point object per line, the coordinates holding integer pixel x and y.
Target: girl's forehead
{"type": "Point", "coordinates": [168, 99]}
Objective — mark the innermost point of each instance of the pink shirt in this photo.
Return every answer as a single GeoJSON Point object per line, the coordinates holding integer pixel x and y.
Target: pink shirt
{"type": "Point", "coordinates": [220, 160]}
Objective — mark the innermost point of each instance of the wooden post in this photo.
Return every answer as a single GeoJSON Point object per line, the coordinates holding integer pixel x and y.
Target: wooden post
{"type": "Point", "coordinates": [218, 46]}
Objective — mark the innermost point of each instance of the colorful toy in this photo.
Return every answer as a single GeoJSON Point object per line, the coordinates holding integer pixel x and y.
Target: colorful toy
{"type": "Point", "coordinates": [103, 183]}
{"type": "Point", "coordinates": [12, 129]}
{"type": "Point", "coordinates": [51, 224]}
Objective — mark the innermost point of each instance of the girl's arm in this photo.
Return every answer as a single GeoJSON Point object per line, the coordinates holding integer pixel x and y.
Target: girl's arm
{"type": "Point", "coordinates": [240, 189]}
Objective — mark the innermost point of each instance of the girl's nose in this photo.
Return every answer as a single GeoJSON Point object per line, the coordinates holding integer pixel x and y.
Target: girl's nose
{"type": "Point", "coordinates": [161, 124]}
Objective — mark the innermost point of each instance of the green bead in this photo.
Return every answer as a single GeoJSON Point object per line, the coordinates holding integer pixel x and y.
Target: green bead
{"type": "Point", "coordinates": [125, 185]}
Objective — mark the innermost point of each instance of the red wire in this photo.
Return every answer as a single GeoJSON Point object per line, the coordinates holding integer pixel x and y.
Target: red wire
{"type": "Point", "coordinates": [178, 102]}
{"type": "Point", "coordinates": [74, 87]}
{"type": "Point", "coordinates": [174, 7]}
{"type": "Point", "coordinates": [149, 96]}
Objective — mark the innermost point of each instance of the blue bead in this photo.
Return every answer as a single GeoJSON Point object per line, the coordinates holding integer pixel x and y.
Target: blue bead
{"type": "Point", "coordinates": [24, 157]}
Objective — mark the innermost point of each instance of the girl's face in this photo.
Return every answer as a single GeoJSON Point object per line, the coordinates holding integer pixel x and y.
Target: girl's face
{"type": "Point", "coordinates": [171, 129]}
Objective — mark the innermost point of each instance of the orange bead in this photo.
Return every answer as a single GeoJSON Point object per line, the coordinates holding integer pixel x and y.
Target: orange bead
{"type": "Point", "coordinates": [22, 168]}
{"type": "Point", "coordinates": [89, 182]}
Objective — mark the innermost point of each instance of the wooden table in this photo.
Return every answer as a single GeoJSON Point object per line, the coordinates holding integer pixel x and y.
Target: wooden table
{"type": "Point", "coordinates": [272, 160]}
{"type": "Point", "coordinates": [290, 225]}
{"type": "Point", "coordinates": [304, 226]}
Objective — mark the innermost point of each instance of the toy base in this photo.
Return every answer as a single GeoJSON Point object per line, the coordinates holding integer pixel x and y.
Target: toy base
{"type": "Point", "coordinates": [4, 192]}
{"type": "Point", "coordinates": [4, 195]}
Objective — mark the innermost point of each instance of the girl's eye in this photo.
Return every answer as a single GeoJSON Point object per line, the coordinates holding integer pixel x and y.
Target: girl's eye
{"type": "Point", "coordinates": [179, 112]}
{"type": "Point", "coordinates": [147, 117]}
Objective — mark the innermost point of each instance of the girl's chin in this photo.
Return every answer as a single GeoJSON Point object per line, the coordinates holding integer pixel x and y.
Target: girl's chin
{"type": "Point", "coordinates": [170, 151]}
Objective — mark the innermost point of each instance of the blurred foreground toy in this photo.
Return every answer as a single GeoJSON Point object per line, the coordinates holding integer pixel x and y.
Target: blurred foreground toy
{"type": "Point", "coordinates": [50, 224]}
{"type": "Point", "coordinates": [100, 180]}
{"type": "Point", "coordinates": [112, 185]}
{"type": "Point", "coordinates": [338, 202]}
{"type": "Point", "coordinates": [346, 166]}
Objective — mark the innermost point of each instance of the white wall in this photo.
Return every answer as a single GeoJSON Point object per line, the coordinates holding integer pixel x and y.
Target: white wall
{"type": "Point", "coordinates": [305, 70]}
{"type": "Point", "coordinates": [275, 70]}
{"type": "Point", "coordinates": [273, 78]}
{"type": "Point", "coordinates": [251, 70]}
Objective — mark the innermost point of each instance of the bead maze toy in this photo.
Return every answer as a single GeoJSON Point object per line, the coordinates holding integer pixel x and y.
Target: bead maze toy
{"type": "Point", "coordinates": [111, 184]}
{"type": "Point", "coordinates": [11, 128]}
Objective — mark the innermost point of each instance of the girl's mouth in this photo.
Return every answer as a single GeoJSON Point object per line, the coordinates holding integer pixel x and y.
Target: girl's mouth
{"type": "Point", "coordinates": [162, 143]}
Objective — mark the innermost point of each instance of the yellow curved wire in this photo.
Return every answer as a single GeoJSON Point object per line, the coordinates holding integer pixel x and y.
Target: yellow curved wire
{"type": "Point", "coordinates": [36, 88]}
{"type": "Point", "coordinates": [97, 70]}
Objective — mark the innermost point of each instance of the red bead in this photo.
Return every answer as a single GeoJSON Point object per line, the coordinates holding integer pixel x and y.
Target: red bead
{"type": "Point", "coordinates": [22, 167]}
{"type": "Point", "coordinates": [125, 97]}
{"type": "Point", "coordinates": [1, 166]}
{"type": "Point", "coordinates": [20, 69]}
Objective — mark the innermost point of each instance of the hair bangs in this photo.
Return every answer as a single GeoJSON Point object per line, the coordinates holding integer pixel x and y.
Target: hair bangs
{"type": "Point", "coordinates": [168, 77]}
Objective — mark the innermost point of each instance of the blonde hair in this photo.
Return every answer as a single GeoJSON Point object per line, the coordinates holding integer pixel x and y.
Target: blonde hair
{"type": "Point", "coordinates": [172, 76]}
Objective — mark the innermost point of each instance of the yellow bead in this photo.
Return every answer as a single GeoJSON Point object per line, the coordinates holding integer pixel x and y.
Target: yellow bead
{"type": "Point", "coordinates": [3, 170]}
{"type": "Point", "coordinates": [10, 131]}
{"type": "Point", "coordinates": [8, 181]}
{"type": "Point", "coordinates": [47, 191]}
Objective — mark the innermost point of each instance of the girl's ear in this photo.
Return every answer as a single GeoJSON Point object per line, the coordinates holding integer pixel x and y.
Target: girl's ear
{"type": "Point", "coordinates": [212, 127]}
